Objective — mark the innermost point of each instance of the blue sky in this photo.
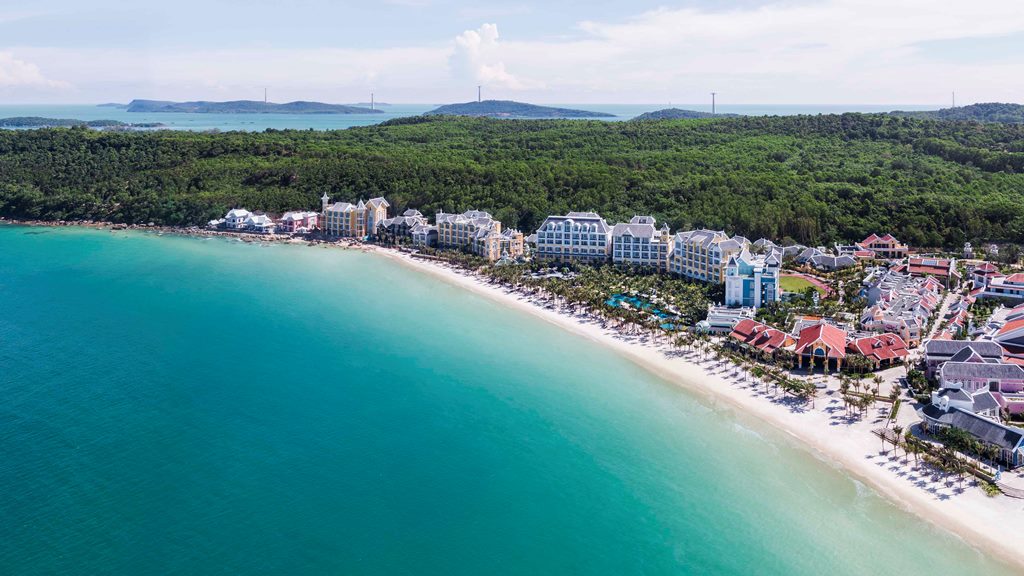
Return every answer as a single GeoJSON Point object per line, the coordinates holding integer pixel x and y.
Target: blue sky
{"type": "Point", "coordinates": [751, 51]}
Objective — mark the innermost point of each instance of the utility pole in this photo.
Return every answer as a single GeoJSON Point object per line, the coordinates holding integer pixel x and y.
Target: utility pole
{"type": "Point", "coordinates": [713, 94]}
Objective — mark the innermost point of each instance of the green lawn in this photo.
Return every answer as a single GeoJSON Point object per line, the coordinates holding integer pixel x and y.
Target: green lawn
{"type": "Point", "coordinates": [796, 284]}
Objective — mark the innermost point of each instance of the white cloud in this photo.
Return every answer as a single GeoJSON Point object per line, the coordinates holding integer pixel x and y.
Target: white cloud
{"type": "Point", "coordinates": [827, 51]}
{"type": "Point", "coordinates": [477, 57]}
{"type": "Point", "coordinates": [19, 73]}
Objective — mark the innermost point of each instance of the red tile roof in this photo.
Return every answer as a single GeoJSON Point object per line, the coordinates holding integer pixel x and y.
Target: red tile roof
{"type": "Point", "coordinates": [760, 336]}
{"type": "Point", "coordinates": [881, 347]}
{"type": "Point", "coordinates": [1017, 278]}
{"type": "Point", "coordinates": [833, 338]}
{"type": "Point", "coordinates": [1011, 326]}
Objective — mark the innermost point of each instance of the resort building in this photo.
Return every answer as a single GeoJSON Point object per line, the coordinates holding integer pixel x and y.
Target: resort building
{"type": "Point", "coordinates": [993, 387]}
{"type": "Point", "coordinates": [982, 274]}
{"type": "Point", "coordinates": [1008, 439]}
{"type": "Point", "coordinates": [494, 245]}
{"type": "Point", "coordinates": [752, 280]}
{"type": "Point", "coordinates": [1010, 337]}
{"type": "Point", "coordinates": [886, 247]}
{"type": "Point", "coordinates": [260, 224]}
{"type": "Point", "coordinates": [639, 243]}
{"type": "Point", "coordinates": [722, 319]}
{"type": "Point", "coordinates": [943, 269]}
{"type": "Point", "coordinates": [401, 226]}
{"type": "Point", "coordinates": [703, 254]}
{"type": "Point", "coordinates": [359, 220]}
{"type": "Point", "coordinates": [235, 219]}
{"type": "Point", "coordinates": [899, 304]}
{"type": "Point", "coordinates": [823, 261]}
{"type": "Point", "coordinates": [883, 351]}
{"type": "Point", "coordinates": [999, 286]}
{"type": "Point", "coordinates": [577, 236]}
{"type": "Point", "coordinates": [458, 231]}
{"type": "Point", "coordinates": [938, 352]}
{"type": "Point", "coordinates": [424, 236]}
{"type": "Point", "coordinates": [753, 336]}
{"type": "Point", "coordinates": [298, 222]}
{"type": "Point", "coordinates": [822, 344]}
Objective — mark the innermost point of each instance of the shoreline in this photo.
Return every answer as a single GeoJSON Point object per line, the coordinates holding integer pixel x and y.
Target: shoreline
{"type": "Point", "coordinates": [844, 444]}
{"type": "Point", "coordinates": [970, 515]}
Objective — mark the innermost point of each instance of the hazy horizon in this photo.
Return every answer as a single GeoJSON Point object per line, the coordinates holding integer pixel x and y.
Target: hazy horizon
{"type": "Point", "coordinates": [827, 52]}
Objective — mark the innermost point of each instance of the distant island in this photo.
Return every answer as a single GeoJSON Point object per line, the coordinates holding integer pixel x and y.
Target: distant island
{"type": "Point", "coordinates": [368, 104]}
{"type": "Point", "coordinates": [246, 107]}
{"type": "Point", "coordinates": [111, 105]}
{"type": "Point", "coordinates": [996, 112]}
{"type": "Point", "coordinates": [511, 109]}
{"type": "Point", "coordinates": [679, 114]}
{"type": "Point", "coordinates": [39, 122]}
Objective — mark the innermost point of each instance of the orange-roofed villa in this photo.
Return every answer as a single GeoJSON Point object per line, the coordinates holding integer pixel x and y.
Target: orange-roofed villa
{"type": "Point", "coordinates": [885, 246]}
{"type": "Point", "coordinates": [821, 344]}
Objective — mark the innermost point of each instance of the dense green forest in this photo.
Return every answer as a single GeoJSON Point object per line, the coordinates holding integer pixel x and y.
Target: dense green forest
{"type": "Point", "coordinates": [987, 112]}
{"type": "Point", "coordinates": [808, 178]}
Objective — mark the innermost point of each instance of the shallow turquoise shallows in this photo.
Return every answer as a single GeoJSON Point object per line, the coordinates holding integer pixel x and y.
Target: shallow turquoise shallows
{"type": "Point", "coordinates": [182, 406]}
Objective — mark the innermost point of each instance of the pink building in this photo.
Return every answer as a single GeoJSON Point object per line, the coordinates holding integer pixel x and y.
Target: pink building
{"type": "Point", "coordinates": [298, 222]}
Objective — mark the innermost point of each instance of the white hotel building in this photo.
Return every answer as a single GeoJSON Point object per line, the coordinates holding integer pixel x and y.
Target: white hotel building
{"type": "Point", "coordinates": [577, 236]}
{"type": "Point", "coordinates": [640, 243]}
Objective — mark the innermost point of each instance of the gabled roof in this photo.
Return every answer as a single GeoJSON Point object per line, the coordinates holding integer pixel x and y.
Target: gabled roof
{"type": "Point", "coordinates": [760, 336]}
{"type": "Point", "coordinates": [989, 431]}
{"type": "Point", "coordinates": [833, 338]}
{"type": "Point", "coordinates": [984, 348]}
{"type": "Point", "coordinates": [880, 347]}
{"type": "Point", "coordinates": [981, 371]}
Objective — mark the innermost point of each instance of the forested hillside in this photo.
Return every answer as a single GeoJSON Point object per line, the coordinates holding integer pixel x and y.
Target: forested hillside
{"type": "Point", "coordinates": [809, 178]}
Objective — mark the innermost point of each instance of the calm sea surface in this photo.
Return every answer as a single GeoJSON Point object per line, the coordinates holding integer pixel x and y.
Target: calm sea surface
{"type": "Point", "coordinates": [253, 122]}
{"type": "Point", "coordinates": [182, 406]}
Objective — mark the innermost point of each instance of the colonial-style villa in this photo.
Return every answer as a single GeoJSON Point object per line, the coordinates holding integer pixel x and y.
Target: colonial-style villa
{"type": "Point", "coordinates": [260, 224]}
{"type": "Point", "coordinates": [885, 246]}
{"type": "Point", "coordinates": [753, 336]}
{"type": "Point", "coordinates": [298, 222]}
{"type": "Point", "coordinates": [640, 243]}
{"type": "Point", "coordinates": [401, 226]}
{"type": "Point", "coordinates": [938, 352]}
{"type": "Point", "coordinates": [577, 236]}
{"type": "Point", "coordinates": [424, 236]}
{"type": "Point", "coordinates": [703, 254]}
{"type": "Point", "coordinates": [999, 286]}
{"type": "Point", "coordinates": [943, 269]}
{"type": "Point", "coordinates": [883, 351]}
{"type": "Point", "coordinates": [460, 230]}
{"type": "Point", "coordinates": [1008, 439]}
{"type": "Point", "coordinates": [235, 219]}
{"type": "Point", "coordinates": [493, 245]}
{"type": "Point", "coordinates": [752, 280]}
{"type": "Point", "coordinates": [360, 220]}
{"type": "Point", "coordinates": [1005, 382]}
{"type": "Point", "coordinates": [821, 344]}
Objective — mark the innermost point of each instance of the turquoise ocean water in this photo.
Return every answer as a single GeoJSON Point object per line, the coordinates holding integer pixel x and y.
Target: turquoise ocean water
{"type": "Point", "coordinates": [183, 406]}
{"type": "Point", "coordinates": [254, 122]}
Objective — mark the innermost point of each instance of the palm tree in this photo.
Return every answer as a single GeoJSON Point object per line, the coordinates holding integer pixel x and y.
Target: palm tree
{"type": "Point", "coordinates": [897, 431]}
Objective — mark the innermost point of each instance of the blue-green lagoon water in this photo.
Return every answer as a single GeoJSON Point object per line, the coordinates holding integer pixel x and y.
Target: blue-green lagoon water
{"type": "Point", "coordinates": [183, 406]}
{"type": "Point", "coordinates": [259, 122]}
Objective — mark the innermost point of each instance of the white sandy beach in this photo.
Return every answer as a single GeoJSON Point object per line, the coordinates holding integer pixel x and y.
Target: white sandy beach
{"type": "Point", "coordinates": [977, 518]}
